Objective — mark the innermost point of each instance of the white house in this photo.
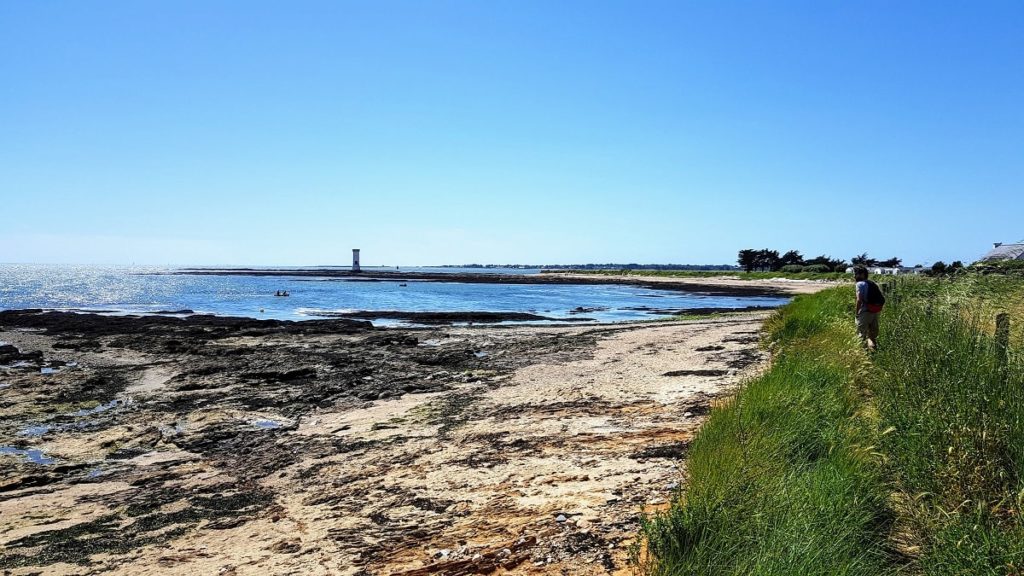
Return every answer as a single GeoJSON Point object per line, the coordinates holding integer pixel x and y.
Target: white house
{"type": "Point", "coordinates": [890, 271]}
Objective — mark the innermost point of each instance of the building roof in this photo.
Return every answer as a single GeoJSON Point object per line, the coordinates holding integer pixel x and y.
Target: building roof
{"type": "Point", "coordinates": [1005, 252]}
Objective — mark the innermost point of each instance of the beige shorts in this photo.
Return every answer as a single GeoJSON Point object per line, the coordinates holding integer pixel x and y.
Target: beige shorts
{"type": "Point", "coordinates": [867, 325]}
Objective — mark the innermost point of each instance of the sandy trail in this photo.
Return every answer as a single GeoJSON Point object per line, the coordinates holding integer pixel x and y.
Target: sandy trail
{"type": "Point", "coordinates": [543, 469]}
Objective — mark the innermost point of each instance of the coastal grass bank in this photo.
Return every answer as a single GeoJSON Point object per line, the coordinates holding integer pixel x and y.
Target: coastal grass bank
{"type": "Point", "coordinates": [834, 462]}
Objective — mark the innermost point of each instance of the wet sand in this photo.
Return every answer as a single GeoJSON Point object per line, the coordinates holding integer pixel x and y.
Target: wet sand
{"type": "Point", "coordinates": [226, 446]}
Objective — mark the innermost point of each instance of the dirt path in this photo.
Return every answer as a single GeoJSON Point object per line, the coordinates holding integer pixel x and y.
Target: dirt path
{"type": "Point", "coordinates": [538, 467]}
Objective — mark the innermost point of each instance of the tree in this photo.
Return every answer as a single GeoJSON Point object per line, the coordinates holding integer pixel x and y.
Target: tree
{"type": "Point", "coordinates": [864, 260]}
{"type": "Point", "coordinates": [791, 258]}
{"type": "Point", "coordinates": [767, 260]}
{"type": "Point", "coordinates": [832, 263]}
{"type": "Point", "coordinates": [823, 259]}
{"type": "Point", "coordinates": [939, 268]}
{"type": "Point", "coordinates": [891, 262]}
{"type": "Point", "coordinates": [747, 259]}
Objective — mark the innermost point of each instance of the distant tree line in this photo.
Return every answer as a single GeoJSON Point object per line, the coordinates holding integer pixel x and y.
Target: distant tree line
{"type": "Point", "coordinates": [610, 266]}
{"type": "Point", "coordinates": [766, 260]}
{"type": "Point", "coordinates": [864, 260]}
{"type": "Point", "coordinates": [635, 266]}
{"type": "Point", "coordinates": [940, 268]}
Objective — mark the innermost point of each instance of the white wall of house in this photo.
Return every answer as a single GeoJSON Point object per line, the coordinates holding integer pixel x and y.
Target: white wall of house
{"type": "Point", "coordinates": [887, 271]}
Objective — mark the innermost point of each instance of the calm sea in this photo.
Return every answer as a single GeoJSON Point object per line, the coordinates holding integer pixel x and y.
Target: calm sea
{"type": "Point", "coordinates": [148, 289]}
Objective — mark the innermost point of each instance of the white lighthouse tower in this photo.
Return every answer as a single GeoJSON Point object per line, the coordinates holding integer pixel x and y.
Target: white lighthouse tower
{"type": "Point", "coordinates": [355, 259]}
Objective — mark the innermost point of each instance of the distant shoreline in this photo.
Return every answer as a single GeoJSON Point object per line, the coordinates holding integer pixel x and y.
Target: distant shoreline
{"type": "Point", "coordinates": [722, 286]}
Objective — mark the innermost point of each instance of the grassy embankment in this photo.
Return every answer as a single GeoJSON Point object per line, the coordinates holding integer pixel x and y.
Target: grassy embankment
{"type": "Point", "coordinates": [832, 462]}
{"type": "Point", "coordinates": [711, 274]}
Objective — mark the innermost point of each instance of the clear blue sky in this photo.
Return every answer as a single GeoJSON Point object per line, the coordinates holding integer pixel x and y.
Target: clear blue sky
{"type": "Point", "coordinates": [429, 132]}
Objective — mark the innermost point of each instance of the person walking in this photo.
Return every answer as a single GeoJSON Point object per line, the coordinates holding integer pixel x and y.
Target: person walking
{"type": "Point", "coordinates": [870, 301]}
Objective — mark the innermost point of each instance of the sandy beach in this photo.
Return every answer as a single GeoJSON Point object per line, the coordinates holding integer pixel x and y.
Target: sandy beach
{"type": "Point", "coordinates": [785, 286]}
{"type": "Point", "coordinates": [231, 446]}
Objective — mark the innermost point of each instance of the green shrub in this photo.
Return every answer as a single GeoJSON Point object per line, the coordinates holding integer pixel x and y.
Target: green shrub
{"type": "Point", "coordinates": [792, 268]}
{"type": "Point", "coordinates": [817, 268]}
{"type": "Point", "coordinates": [1003, 267]}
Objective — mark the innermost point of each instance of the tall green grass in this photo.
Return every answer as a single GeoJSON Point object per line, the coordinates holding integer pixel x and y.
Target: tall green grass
{"type": "Point", "coordinates": [832, 462]}
{"type": "Point", "coordinates": [782, 478]}
{"type": "Point", "coordinates": [955, 408]}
